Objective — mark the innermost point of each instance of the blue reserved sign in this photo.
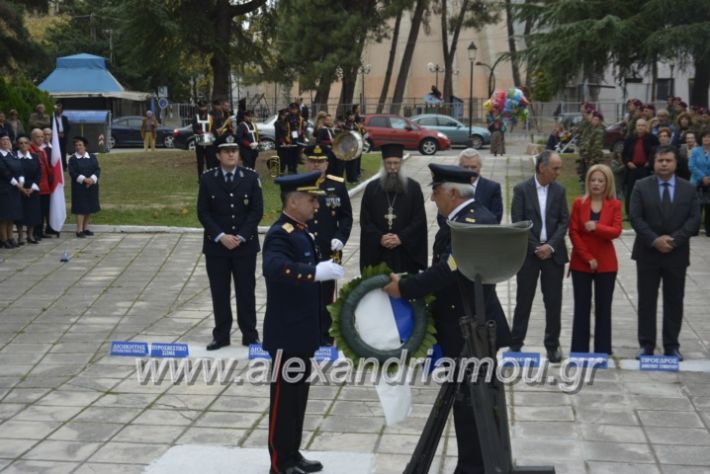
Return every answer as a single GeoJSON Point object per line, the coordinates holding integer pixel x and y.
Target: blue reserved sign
{"type": "Point", "coordinates": [257, 352]}
{"type": "Point", "coordinates": [589, 359]}
{"type": "Point", "coordinates": [326, 353]}
{"type": "Point", "coordinates": [659, 363]}
{"type": "Point", "coordinates": [173, 350]}
{"type": "Point", "coordinates": [129, 349]}
{"type": "Point", "coordinates": [323, 353]}
{"type": "Point", "coordinates": [521, 359]}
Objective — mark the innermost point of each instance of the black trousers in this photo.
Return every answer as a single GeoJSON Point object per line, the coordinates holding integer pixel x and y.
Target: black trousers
{"type": "Point", "coordinates": [287, 410]}
{"type": "Point", "coordinates": [220, 271]}
{"type": "Point", "coordinates": [631, 177]}
{"type": "Point", "coordinates": [211, 156]}
{"type": "Point", "coordinates": [352, 169]}
{"type": "Point", "coordinates": [248, 157]}
{"type": "Point", "coordinates": [201, 155]}
{"type": "Point", "coordinates": [550, 274]}
{"type": "Point", "coordinates": [44, 205]}
{"type": "Point", "coordinates": [289, 159]}
{"type": "Point", "coordinates": [649, 278]}
{"type": "Point", "coordinates": [603, 294]}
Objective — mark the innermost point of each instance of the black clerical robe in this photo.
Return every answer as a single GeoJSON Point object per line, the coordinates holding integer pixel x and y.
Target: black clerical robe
{"type": "Point", "coordinates": [408, 221]}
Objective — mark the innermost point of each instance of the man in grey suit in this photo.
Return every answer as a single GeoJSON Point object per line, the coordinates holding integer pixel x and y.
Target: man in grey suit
{"type": "Point", "coordinates": [665, 213]}
{"type": "Point", "coordinates": [543, 201]}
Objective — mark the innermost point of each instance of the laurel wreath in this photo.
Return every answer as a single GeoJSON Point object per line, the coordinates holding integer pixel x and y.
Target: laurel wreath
{"type": "Point", "coordinates": [343, 315]}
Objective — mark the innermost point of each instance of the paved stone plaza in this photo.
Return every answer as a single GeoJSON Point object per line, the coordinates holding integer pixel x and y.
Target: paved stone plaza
{"type": "Point", "coordinates": [66, 406]}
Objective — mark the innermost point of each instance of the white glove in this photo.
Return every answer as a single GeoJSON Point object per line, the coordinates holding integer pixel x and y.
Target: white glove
{"type": "Point", "coordinates": [336, 245]}
{"type": "Point", "coordinates": [254, 145]}
{"type": "Point", "coordinates": [329, 270]}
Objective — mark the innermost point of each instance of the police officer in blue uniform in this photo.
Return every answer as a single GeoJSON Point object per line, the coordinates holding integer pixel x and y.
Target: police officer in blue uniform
{"type": "Point", "coordinates": [292, 326]}
{"type": "Point", "coordinates": [453, 194]}
{"type": "Point", "coordinates": [331, 227]}
{"type": "Point", "coordinates": [230, 206]}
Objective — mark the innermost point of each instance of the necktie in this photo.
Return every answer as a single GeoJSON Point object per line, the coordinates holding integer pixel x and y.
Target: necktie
{"type": "Point", "coordinates": [666, 201]}
{"type": "Point", "coordinates": [229, 178]}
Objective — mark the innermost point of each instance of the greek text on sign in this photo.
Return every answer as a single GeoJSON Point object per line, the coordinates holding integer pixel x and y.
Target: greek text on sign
{"type": "Point", "coordinates": [521, 359]}
{"type": "Point", "coordinates": [129, 349]}
{"type": "Point", "coordinates": [592, 360]}
{"type": "Point", "coordinates": [173, 350]}
{"type": "Point", "coordinates": [659, 363]}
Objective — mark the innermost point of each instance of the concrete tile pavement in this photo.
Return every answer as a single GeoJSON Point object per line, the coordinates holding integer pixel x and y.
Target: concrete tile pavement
{"type": "Point", "coordinates": [65, 406]}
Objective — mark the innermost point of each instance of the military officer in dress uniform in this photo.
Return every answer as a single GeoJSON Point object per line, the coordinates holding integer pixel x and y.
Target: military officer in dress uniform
{"type": "Point", "coordinates": [292, 325]}
{"type": "Point", "coordinates": [331, 226]}
{"type": "Point", "coordinates": [230, 206]}
{"type": "Point", "coordinates": [248, 138]}
{"type": "Point", "coordinates": [453, 194]}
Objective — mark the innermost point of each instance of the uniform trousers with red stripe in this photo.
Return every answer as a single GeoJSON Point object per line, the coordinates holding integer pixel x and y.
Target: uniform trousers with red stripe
{"type": "Point", "coordinates": [287, 409]}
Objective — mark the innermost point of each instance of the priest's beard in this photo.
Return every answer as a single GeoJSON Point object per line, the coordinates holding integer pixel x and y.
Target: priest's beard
{"type": "Point", "coordinates": [393, 182]}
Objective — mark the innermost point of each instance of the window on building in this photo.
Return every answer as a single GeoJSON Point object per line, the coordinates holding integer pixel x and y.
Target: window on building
{"type": "Point", "coordinates": [663, 88]}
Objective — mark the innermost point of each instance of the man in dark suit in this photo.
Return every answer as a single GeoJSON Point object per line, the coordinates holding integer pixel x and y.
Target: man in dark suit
{"type": "Point", "coordinates": [543, 201]}
{"type": "Point", "coordinates": [230, 206]}
{"type": "Point", "coordinates": [664, 213]}
{"type": "Point", "coordinates": [486, 191]}
{"type": "Point", "coordinates": [453, 196]}
{"type": "Point", "coordinates": [292, 325]}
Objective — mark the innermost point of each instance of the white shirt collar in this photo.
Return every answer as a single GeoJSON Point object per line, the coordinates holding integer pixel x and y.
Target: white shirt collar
{"type": "Point", "coordinates": [85, 155]}
{"type": "Point", "coordinates": [538, 185]}
{"type": "Point", "coordinates": [27, 156]}
{"type": "Point", "coordinates": [458, 208]}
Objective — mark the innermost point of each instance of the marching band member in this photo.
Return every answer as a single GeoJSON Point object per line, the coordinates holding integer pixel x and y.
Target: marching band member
{"type": "Point", "coordinates": [203, 123]}
{"type": "Point", "coordinates": [248, 138]}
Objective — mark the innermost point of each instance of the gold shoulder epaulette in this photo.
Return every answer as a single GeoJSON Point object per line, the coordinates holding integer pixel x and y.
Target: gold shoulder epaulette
{"type": "Point", "coordinates": [288, 227]}
{"type": "Point", "coordinates": [336, 178]}
{"type": "Point", "coordinates": [451, 262]}
{"type": "Point", "coordinates": [208, 170]}
{"type": "Point", "coordinates": [470, 219]}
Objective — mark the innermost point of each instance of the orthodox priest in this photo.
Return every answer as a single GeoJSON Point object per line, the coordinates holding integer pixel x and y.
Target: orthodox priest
{"type": "Point", "coordinates": [393, 219]}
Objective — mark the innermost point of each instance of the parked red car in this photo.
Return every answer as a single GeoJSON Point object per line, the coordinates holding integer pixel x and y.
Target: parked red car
{"type": "Point", "coordinates": [389, 128]}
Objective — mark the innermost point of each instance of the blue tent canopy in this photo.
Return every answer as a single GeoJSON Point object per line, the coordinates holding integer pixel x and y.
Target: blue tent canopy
{"type": "Point", "coordinates": [85, 75]}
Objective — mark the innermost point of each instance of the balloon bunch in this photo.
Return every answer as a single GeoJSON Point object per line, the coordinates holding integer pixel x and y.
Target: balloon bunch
{"type": "Point", "coordinates": [511, 104]}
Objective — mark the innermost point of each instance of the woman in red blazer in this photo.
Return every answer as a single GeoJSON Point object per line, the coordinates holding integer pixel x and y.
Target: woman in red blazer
{"type": "Point", "coordinates": [594, 223]}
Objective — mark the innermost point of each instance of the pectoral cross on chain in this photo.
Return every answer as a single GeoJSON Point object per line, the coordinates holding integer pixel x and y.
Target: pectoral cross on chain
{"type": "Point", "coordinates": [390, 217]}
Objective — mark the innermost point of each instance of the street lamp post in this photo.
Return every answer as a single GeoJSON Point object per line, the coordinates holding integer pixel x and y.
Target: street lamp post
{"type": "Point", "coordinates": [363, 71]}
{"type": "Point", "coordinates": [471, 59]}
{"type": "Point", "coordinates": [491, 73]}
{"type": "Point", "coordinates": [435, 68]}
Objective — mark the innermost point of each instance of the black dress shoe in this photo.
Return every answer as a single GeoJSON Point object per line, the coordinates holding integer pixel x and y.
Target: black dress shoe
{"type": "Point", "coordinates": [248, 342]}
{"type": "Point", "coordinates": [644, 351]}
{"type": "Point", "coordinates": [554, 355]}
{"type": "Point", "coordinates": [288, 470]}
{"type": "Point", "coordinates": [88, 232]}
{"type": "Point", "coordinates": [80, 235]}
{"type": "Point", "coordinates": [32, 241]}
{"type": "Point", "coordinates": [214, 345]}
{"type": "Point", "coordinates": [307, 465]}
{"type": "Point", "coordinates": [674, 353]}
{"type": "Point", "coordinates": [50, 231]}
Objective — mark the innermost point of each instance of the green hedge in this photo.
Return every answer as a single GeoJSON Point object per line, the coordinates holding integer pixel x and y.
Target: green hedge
{"type": "Point", "coordinates": [22, 95]}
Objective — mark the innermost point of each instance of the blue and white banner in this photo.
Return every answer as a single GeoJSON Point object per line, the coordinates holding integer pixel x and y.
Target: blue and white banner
{"type": "Point", "coordinates": [382, 322]}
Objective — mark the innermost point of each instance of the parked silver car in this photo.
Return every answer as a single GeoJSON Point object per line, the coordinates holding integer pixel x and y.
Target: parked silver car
{"type": "Point", "coordinates": [267, 134]}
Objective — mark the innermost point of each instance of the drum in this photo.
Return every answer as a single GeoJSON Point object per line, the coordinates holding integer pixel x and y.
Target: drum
{"type": "Point", "coordinates": [205, 139]}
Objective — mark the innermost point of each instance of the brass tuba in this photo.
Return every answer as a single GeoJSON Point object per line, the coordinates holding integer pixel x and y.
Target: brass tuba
{"type": "Point", "coordinates": [347, 145]}
{"type": "Point", "coordinates": [274, 166]}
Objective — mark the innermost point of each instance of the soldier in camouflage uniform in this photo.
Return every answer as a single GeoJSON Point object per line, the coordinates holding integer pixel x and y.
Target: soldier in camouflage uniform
{"type": "Point", "coordinates": [591, 144]}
